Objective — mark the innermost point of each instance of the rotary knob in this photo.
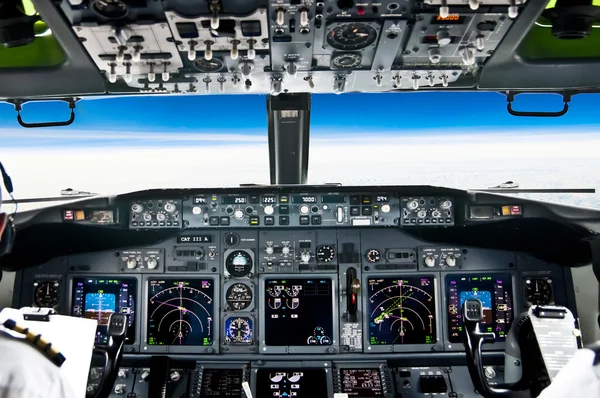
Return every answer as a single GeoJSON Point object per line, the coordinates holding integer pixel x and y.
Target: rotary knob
{"type": "Point", "coordinates": [137, 208]}
{"type": "Point", "coordinates": [169, 207]}
{"type": "Point", "coordinates": [175, 376]}
{"type": "Point", "coordinates": [95, 374]}
{"type": "Point", "coordinates": [385, 208]}
{"type": "Point", "coordinates": [443, 37]}
{"type": "Point", "coordinates": [196, 210]}
{"type": "Point", "coordinates": [468, 55]}
{"type": "Point", "coordinates": [144, 375]}
{"type": "Point", "coordinates": [239, 214]}
{"type": "Point", "coordinates": [131, 263]}
{"type": "Point", "coordinates": [147, 217]}
{"type": "Point", "coordinates": [269, 210]}
{"type": "Point", "coordinates": [422, 214]}
{"type": "Point", "coordinates": [305, 257]}
{"type": "Point", "coordinates": [269, 250]}
{"type": "Point", "coordinates": [435, 56]}
{"type": "Point", "coordinates": [119, 390]}
{"type": "Point", "coordinates": [412, 205]}
{"type": "Point", "coordinates": [161, 217]}
{"type": "Point", "coordinates": [151, 263]}
{"type": "Point", "coordinates": [450, 260]}
{"type": "Point", "coordinates": [446, 204]}
{"type": "Point", "coordinates": [122, 374]}
{"type": "Point", "coordinates": [304, 209]}
{"type": "Point", "coordinates": [285, 250]}
{"type": "Point", "coordinates": [430, 261]}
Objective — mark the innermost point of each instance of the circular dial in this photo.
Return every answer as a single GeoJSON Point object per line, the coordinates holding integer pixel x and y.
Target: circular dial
{"type": "Point", "coordinates": [373, 255]}
{"type": "Point", "coordinates": [325, 253]}
{"type": "Point", "coordinates": [238, 263]}
{"type": "Point", "coordinates": [238, 330]}
{"type": "Point", "coordinates": [346, 61]}
{"type": "Point", "coordinates": [351, 36]}
{"type": "Point", "coordinates": [238, 296]}
{"type": "Point", "coordinates": [401, 311]}
{"type": "Point", "coordinates": [204, 66]}
{"type": "Point", "coordinates": [111, 9]}
{"type": "Point", "coordinates": [538, 291]}
{"type": "Point", "coordinates": [180, 313]}
{"type": "Point", "coordinates": [46, 294]}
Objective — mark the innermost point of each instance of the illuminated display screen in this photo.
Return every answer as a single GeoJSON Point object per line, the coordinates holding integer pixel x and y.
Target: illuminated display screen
{"type": "Point", "coordinates": [453, 19]}
{"type": "Point", "coordinates": [364, 383]}
{"type": "Point", "coordinates": [234, 200]}
{"type": "Point", "coordinates": [180, 312]}
{"type": "Point", "coordinates": [401, 311]}
{"type": "Point", "coordinates": [298, 312]}
{"type": "Point", "coordinates": [495, 293]}
{"type": "Point", "coordinates": [297, 383]}
{"type": "Point", "coordinates": [304, 199]}
{"type": "Point", "coordinates": [97, 298]}
{"type": "Point", "coordinates": [221, 383]}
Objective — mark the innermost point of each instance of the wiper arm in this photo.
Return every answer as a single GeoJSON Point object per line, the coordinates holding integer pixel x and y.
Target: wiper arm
{"type": "Point", "coordinates": [513, 187]}
{"type": "Point", "coordinates": [66, 195]}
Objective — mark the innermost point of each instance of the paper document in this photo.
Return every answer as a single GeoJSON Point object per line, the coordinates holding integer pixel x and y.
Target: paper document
{"type": "Point", "coordinates": [73, 337]}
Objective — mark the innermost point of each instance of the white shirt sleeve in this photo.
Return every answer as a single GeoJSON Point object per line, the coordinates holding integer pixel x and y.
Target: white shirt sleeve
{"type": "Point", "coordinates": [579, 378]}
{"type": "Point", "coordinates": [27, 373]}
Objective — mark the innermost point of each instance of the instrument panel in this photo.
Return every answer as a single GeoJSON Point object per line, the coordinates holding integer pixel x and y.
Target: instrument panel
{"type": "Point", "coordinates": [294, 309]}
{"type": "Point", "coordinates": [237, 47]}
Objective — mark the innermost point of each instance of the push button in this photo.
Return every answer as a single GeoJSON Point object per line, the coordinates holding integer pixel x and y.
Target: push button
{"type": "Point", "coordinates": [213, 221]}
{"type": "Point", "coordinates": [304, 220]}
{"type": "Point", "coordinates": [269, 220]}
{"type": "Point", "coordinates": [284, 220]}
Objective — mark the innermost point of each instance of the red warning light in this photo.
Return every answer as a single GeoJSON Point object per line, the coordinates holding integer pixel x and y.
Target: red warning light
{"type": "Point", "coordinates": [360, 10]}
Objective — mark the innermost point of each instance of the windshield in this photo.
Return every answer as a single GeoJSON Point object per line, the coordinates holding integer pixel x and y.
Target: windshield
{"type": "Point", "coordinates": [461, 140]}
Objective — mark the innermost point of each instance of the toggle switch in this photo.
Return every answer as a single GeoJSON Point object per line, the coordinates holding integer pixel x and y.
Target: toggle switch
{"type": "Point", "coordinates": [430, 80]}
{"type": "Point", "coordinates": [310, 82]}
{"type": "Point", "coordinates": [251, 51]}
{"type": "Point", "coordinates": [234, 53]}
{"type": "Point", "coordinates": [444, 80]}
{"type": "Point", "coordinates": [479, 43]}
{"type": "Point", "coordinates": [276, 86]}
{"type": "Point", "coordinates": [112, 75]}
{"type": "Point", "coordinates": [165, 73]}
{"type": "Point", "coordinates": [304, 17]}
{"type": "Point", "coordinates": [207, 82]}
{"type": "Point", "coordinates": [474, 4]}
{"type": "Point", "coordinates": [128, 78]}
{"type": "Point", "coordinates": [397, 81]}
{"type": "Point", "coordinates": [208, 53]}
{"type": "Point", "coordinates": [151, 74]}
{"type": "Point", "coordinates": [435, 55]}
{"type": "Point", "coordinates": [221, 81]}
{"type": "Point", "coordinates": [468, 55]}
{"type": "Point", "coordinates": [137, 53]}
{"type": "Point", "coordinates": [121, 54]}
{"type": "Point", "coordinates": [235, 80]}
{"type": "Point", "coordinates": [192, 50]}
{"type": "Point", "coordinates": [246, 68]}
{"type": "Point", "coordinates": [339, 85]}
{"type": "Point", "coordinates": [214, 19]}
{"type": "Point", "coordinates": [415, 81]}
{"type": "Point", "coordinates": [444, 10]}
{"type": "Point", "coordinates": [513, 10]}
{"type": "Point", "coordinates": [291, 69]}
{"type": "Point", "coordinates": [280, 19]}
{"type": "Point", "coordinates": [377, 79]}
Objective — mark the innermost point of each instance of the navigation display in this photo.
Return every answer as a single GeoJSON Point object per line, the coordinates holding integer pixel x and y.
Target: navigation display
{"type": "Point", "coordinates": [297, 383]}
{"type": "Point", "coordinates": [180, 312]}
{"type": "Point", "coordinates": [495, 293]}
{"type": "Point", "coordinates": [221, 383]}
{"type": "Point", "coordinates": [97, 298]}
{"type": "Point", "coordinates": [364, 383]}
{"type": "Point", "coordinates": [298, 312]}
{"type": "Point", "coordinates": [401, 310]}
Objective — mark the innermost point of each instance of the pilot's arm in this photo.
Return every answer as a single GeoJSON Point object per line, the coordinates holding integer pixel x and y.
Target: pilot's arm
{"type": "Point", "coordinates": [24, 371]}
{"type": "Point", "coordinates": [579, 378]}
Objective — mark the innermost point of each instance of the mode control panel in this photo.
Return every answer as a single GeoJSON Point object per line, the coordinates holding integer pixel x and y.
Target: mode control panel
{"type": "Point", "coordinates": [295, 210]}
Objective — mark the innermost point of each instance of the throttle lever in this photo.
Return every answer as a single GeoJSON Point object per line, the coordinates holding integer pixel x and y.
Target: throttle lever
{"type": "Point", "coordinates": [113, 352]}
{"type": "Point", "coordinates": [352, 290]}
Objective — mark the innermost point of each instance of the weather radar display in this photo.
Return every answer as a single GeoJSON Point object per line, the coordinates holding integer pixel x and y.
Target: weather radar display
{"type": "Point", "coordinates": [180, 312]}
{"type": "Point", "coordinates": [401, 311]}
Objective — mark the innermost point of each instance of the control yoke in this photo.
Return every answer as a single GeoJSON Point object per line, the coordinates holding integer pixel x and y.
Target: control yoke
{"type": "Point", "coordinates": [113, 352]}
{"type": "Point", "coordinates": [473, 339]}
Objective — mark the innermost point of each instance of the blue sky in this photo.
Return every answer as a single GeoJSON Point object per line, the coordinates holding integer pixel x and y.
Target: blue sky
{"type": "Point", "coordinates": [331, 114]}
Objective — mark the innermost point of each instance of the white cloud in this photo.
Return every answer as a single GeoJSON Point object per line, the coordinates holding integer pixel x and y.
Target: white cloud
{"type": "Point", "coordinates": [462, 161]}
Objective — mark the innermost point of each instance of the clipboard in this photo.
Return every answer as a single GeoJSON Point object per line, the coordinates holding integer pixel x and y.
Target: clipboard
{"type": "Point", "coordinates": [73, 337]}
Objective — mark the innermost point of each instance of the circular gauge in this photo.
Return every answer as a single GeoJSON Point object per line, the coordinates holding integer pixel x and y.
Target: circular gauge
{"type": "Point", "coordinates": [180, 312]}
{"type": "Point", "coordinates": [538, 291]}
{"type": "Point", "coordinates": [238, 263]}
{"type": "Point", "coordinates": [46, 294]}
{"type": "Point", "coordinates": [346, 61]}
{"type": "Point", "coordinates": [351, 36]}
{"type": "Point", "coordinates": [238, 296]}
{"type": "Point", "coordinates": [373, 255]}
{"type": "Point", "coordinates": [238, 330]}
{"type": "Point", "coordinates": [110, 9]}
{"type": "Point", "coordinates": [325, 253]}
{"type": "Point", "coordinates": [204, 66]}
